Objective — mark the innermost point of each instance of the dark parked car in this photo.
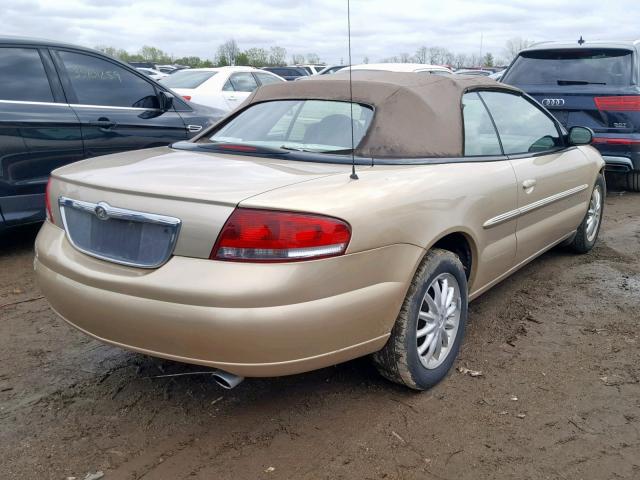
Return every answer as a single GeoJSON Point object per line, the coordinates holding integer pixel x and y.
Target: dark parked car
{"type": "Point", "coordinates": [594, 84]}
{"type": "Point", "coordinates": [60, 103]}
{"type": "Point", "coordinates": [288, 73]}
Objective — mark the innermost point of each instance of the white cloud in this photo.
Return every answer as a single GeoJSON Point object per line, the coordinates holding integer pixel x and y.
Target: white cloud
{"type": "Point", "coordinates": [380, 28]}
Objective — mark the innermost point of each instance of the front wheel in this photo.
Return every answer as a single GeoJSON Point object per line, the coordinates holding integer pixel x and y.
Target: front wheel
{"type": "Point", "coordinates": [587, 232]}
{"type": "Point", "coordinates": [427, 335]}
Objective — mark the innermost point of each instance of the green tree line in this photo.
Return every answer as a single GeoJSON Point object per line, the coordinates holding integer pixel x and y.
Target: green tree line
{"type": "Point", "coordinates": [226, 54]}
{"type": "Point", "coordinates": [229, 53]}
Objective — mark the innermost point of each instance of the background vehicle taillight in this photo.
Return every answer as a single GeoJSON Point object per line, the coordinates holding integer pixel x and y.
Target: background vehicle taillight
{"type": "Point", "coordinates": [616, 141]}
{"type": "Point", "coordinates": [625, 103]}
{"type": "Point", "coordinates": [47, 201]}
{"type": "Point", "coordinates": [253, 235]}
{"type": "Point", "coordinates": [186, 97]}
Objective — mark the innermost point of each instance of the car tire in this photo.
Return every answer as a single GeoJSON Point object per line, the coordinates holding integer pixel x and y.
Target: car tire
{"type": "Point", "coordinates": [403, 359]}
{"type": "Point", "coordinates": [587, 233]}
{"type": "Point", "coordinates": [633, 181]}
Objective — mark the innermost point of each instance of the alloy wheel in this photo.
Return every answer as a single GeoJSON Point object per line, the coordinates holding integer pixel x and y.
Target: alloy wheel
{"type": "Point", "coordinates": [438, 320]}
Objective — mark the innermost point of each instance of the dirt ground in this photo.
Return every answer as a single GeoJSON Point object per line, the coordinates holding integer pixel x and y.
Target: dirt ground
{"type": "Point", "coordinates": [559, 398]}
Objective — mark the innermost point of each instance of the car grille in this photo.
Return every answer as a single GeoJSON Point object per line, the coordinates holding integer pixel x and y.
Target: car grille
{"type": "Point", "coordinates": [117, 235]}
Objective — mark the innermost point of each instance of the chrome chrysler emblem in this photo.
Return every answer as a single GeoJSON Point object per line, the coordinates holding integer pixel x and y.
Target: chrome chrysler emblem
{"type": "Point", "coordinates": [553, 102]}
{"type": "Point", "coordinates": [101, 212]}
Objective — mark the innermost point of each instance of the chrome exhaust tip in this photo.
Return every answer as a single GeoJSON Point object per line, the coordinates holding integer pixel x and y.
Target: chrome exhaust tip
{"type": "Point", "coordinates": [226, 380]}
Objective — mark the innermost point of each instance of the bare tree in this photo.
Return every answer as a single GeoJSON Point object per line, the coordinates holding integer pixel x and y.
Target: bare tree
{"type": "Point", "coordinates": [365, 60]}
{"type": "Point", "coordinates": [313, 58]}
{"type": "Point", "coordinates": [297, 59]}
{"type": "Point", "coordinates": [475, 60]}
{"type": "Point", "coordinates": [277, 56]}
{"type": "Point", "coordinates": [436, 55]}
{"type": "Point", "coordinates": [228, 52]}
{"type": "Point", "coordinates": [460, 60]}
{"type": "Point", "coordinates": [513, 46]}
{"type": "Point", "coordinates": [449, 58]}
{"type": "Point", "coordinates": [422, 54]}
{"type": "Point", "coordinates": [406, 58]}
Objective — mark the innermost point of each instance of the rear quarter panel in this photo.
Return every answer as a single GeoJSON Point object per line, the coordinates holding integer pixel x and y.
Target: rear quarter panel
{"type": "Point", "coordinates": [418, 205]}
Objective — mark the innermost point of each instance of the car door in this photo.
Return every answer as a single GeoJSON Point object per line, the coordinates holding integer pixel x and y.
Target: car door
{"type": "Point", "coordinates": [237, 88]}
{"type": "Point", "coordinates": [118, 108]}
{"type": "Point", "coordinates": [38, 131]}
{"type": "Point", "coordinates": [554, 180]}
{"type": "Point", "coordinates": [496, 236]}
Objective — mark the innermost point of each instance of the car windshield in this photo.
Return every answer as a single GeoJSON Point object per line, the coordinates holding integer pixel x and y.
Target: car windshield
{"type": "Point", "coordinates": [571, 67]}
{"type": "Point", "coordinates": [319, 126]}
{"type": "Point", "coordinates": [187, 79]}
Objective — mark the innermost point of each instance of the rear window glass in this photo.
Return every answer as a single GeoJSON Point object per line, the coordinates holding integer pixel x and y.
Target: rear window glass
{"type": "Point", "coordinates": [22, 76]}
{"type": "Point", "coordinates": [571, 67]}
{"type": "Point", "coordinates": [320, 126]}
{"type": "Point", "coordinates": [187, 79]}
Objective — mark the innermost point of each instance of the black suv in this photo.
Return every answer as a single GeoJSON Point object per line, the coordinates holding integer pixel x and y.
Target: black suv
{"type": "Point", "coordinates": [61, 103]}
{"type": "Point", "coordinates": [592, 84]}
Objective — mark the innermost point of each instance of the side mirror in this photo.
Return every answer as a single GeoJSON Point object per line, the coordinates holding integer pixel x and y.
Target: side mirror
{"type": "Point", "coordinates": [166, 100]}
{"type": "Point", "coordinates": [580, 136]}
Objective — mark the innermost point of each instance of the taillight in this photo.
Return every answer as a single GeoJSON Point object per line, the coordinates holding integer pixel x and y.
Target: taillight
{"type": "Point", "coordinates": [47, 201]}
{"type": "Point", "coordinates": [625, 103]}
{"type": "Point", "coordinates": [187, 97]}
{"type": "Point", "coordinates": [616, 141]}
{"type": "Point", "coordinates": [252, 235]}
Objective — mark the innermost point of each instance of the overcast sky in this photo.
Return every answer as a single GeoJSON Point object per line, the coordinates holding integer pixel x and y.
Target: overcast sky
{"type": "Point", "coordinates": [380, 28]}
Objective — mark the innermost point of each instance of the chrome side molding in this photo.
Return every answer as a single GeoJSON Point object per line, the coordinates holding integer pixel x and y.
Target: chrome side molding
{"type": "Point", "coordinates": [518, 212]}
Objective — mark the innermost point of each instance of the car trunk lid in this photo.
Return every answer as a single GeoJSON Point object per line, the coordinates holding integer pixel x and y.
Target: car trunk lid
{"type": "Point", "coordinates": [199, 189]}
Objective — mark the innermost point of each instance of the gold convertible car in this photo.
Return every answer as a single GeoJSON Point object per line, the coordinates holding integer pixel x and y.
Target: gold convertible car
{"type": "Point", "coordinates": [256, 250]}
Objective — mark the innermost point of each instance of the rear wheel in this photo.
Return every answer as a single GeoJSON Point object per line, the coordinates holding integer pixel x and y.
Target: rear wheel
{"type": "Point", "coordinates": [588, 230]}
{"type": "Point", "coordinates": [427, 335]}
{"type": "Point", "coordinates": [633, 181]}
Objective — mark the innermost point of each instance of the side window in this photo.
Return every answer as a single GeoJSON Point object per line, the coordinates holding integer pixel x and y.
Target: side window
{"type": "Point", "coordinates": [522, 126]}
{"type": "Point", "coordinates": [99, 82]}
{"type": "Point", "coordinates": [22, 76]}
{"type": "Point", "coordinates": [480, 137]}
{"type": "Point", "coordinates": [243, 82]}
{"type": "Point", "coordinates": [227, 87]}
{"type": "Point", "coordinates": [312, 120]}
{"type": "Point", "coordinates": [266, 79]}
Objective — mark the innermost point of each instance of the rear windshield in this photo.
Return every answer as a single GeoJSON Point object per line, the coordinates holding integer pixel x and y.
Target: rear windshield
{"type": "Point", "coordinates": [319, 126]}
{"type": "Point", "coordinates": [571, 67]}
{"type": "Point", "coordinates": [187, 79]}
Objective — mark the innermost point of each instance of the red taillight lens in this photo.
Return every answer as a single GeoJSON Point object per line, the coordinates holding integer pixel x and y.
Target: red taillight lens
{"type": "Point", "coordinates": [47, 201]}
{"type": "Point", "coordinates": [628, 103]}
{"type": "Point", "coordinates": [252, 235]}
{"type": "Point", "coordinates": [616, 141]}
{"type": "Point", "coordinates": [187, 97]}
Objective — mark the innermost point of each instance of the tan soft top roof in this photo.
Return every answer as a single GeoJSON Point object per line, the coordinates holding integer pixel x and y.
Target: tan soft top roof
{"type": "Point", "coordinates": [416, 115]}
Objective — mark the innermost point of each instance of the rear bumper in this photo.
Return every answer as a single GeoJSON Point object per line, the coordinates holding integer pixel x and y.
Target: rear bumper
{"type": "Point", "coordinates": [620, 158]}
{"type": "Point", "coordinates": [618, 164]}
{"type": "Point", "coordinates": [248, 319]}
{"type": "Point", "coordinates": [22, 209]}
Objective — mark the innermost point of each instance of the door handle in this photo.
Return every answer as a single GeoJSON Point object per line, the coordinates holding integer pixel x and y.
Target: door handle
{"type": "Point", "coordinates": [194, 128]}
{"type": "Point", "coordinates": [529, 184]}
{"type": "Point", "coordinates": [103, 123]}
{"type": "Point", "coordinates": [232, 97]}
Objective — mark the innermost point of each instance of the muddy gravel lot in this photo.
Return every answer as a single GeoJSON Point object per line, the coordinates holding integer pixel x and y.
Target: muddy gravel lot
{"type": "Point", "coordinates": [558, 345]}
